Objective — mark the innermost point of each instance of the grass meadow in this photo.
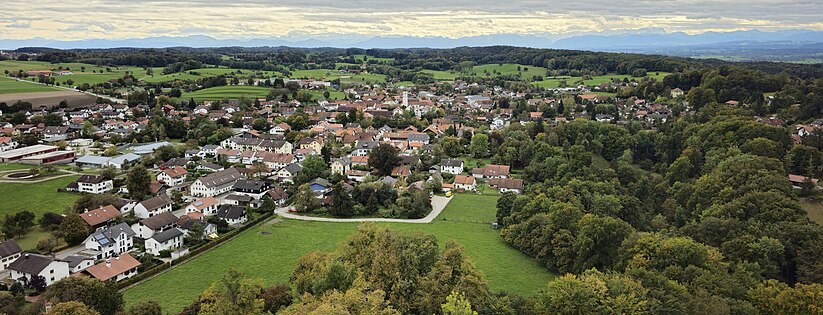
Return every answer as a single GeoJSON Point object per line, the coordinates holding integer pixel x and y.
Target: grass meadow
{"type": "Point", "coordinates": [270, 251]}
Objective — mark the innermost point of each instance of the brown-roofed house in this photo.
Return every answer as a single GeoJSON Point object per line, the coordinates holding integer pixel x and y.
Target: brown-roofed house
{"type": "Point", "coordinates": [100, 217]}
{"type": "Point", "coordinates": [118, 268]}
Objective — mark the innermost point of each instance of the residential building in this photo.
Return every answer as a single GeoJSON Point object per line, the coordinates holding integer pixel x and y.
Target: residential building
{"type": "Point", "coordinates": [216, 183]}
{"type": "Point", "coordinates": [172, 177]}
{"type": "Point", "coordinates": [152, 207]}
{"type": "Point", "coordinates": [112, 241]}
{"type": "Point", "coordinates": [31, 265]}
{"type": "Point", "coordinates": [233, 215]}
{"type": "Point", "coordinates": [101, 217]}
{"type": "Point", "coordinates": [147, 227]}
{"type": "Point", "coordinates": [207, 206]}
{"type": "Point", "coordinates": [92, 184]}
{"type": "Point", "coordinates": [9, 252]}
{"type": "Point", "coordinates": [463, 182]}
{"type": "Point", "coordinates": [167, 240]}
{"type": "Point", "coordinates": [116, 269]}
{"type": "Point", "coordinates": [451, 166]}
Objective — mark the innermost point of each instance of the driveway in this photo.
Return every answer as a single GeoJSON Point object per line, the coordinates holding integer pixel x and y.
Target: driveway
{"type": "Point", "coordinates": [438, 204]}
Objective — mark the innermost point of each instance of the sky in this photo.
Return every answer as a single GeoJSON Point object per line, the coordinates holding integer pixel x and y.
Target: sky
{"type": "Point", "coordinates": [304, 19]}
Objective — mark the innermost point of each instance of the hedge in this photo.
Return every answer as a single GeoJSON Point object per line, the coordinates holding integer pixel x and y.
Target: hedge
{"type": "Point", "coordinates": [194, 251]}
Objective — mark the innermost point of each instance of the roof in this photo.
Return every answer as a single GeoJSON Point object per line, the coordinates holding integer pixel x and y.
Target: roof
{"type": "Point", "coordinates": [76, 260]}
{"type": "Point", "coordinates": [450, 162]}
{"type": "Point", "coordinates": [92, 179]}
{"type": "Point", "coordinates": [111, 268]}
{"type": "Point", "coordinates": [320, 181]}
{"type": "Point", "coordinates": [107, 236]}
{"type": "Point", "coordinates": [231, 212]}
{"type": "Point", "coordinates": [492, 170]}
{"type": "Point", "coordinates": [9, 247]}
{"type": "Point", "coordinates": [156, 202]}
{"type": "Point", "coordinates": [92, 159]}
{"type": "Point", "coordinates": [250, 185]}
{"type": "Point", "coordinates": [201, 204]}
{"type": "Point", "coordinates": [100, 215]}
{"type": "Point", "coordinates": [176, 171]}
{"type": "Point", "coordinates": [510, 183]}
{"type": "Point", "coordinates": [464, 180]}
{"type": "Point", "coordinates": [159, 221]}
{"type": "Point", "coordinates": [220, 178]}
{"type": "Point", "coordinates": [31, 263]}
{"type": "Point", "coordinates": [167, 235]}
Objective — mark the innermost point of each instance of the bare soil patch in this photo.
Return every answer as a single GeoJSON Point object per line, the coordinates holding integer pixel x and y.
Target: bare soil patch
{"type": "Point", "coordinates": [49, 99]}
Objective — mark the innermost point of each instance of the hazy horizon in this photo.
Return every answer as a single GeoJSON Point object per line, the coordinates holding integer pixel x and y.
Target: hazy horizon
{"type": "Point", "coordinates": [317, 19]}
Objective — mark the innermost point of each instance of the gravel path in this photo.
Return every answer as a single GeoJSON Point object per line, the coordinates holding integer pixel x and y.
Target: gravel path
{"type": "Point", "coordinates": [438, 204]}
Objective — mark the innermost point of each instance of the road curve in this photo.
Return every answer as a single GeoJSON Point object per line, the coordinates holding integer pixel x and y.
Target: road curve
{"type": "Point", "coordinates": [438, 204]}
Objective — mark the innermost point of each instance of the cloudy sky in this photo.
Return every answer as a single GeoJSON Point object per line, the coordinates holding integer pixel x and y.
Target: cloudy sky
{"type": "Point", "coordinates": [302, 19]}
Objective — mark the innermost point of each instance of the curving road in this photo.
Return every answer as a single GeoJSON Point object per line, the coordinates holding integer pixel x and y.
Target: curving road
{"type": "Point", "coordinates": [438, 204]}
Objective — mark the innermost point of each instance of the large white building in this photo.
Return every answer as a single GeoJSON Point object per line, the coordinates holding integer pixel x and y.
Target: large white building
{"type": "Point", "coordinates": [112, 241]}
{"type": "Point", "coordinates": [152, 207]}
{"type": "Point", "coordinates": [93, 184]}
{"type": "Point", "coordinates": [29, 265]}
{"type": "Point", "coordinates": [216, 183]}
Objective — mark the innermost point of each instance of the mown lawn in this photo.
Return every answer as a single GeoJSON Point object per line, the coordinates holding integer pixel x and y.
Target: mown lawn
{"type": "Point", "coordinates": [509, 69]}
{"type": "Point", "coordinates": [8, 86]}
{"type": "Point", "coordinates": [813, 208]}
{"type": "Point", "coordinates": [37, 197]}
{"type": "Point", "coordinates": [270, 252]}
{"type": "Point", "coordinates": [231, 92]}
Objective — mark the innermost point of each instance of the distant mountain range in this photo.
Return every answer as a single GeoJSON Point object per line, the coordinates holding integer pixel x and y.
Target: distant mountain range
{"type": "Point", "coordinates": [641, 42]}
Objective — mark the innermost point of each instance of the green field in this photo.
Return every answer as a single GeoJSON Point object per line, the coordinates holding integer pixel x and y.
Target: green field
{"type": "Point", "coordinates": [270, 252]}
{"type": "Point", "coordinates": [554, 82]}
{"type": "Point", "coordinates": [230, 91]}
{"type": "Point", "coordinates": [36, 197]}
{"type": "Point", "coordinates": [345, 78]}
{"type": "Point", "coordinates": [509, 69]}
{"type": "Point", "coordinates": [814, 208]}
{"type": "Point", "coordinates": [442, 75]}
{"type": "Point", "coordinates": [8, 86]}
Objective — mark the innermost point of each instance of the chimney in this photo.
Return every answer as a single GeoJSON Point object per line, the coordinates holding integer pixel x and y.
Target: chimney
{"type": "Point", "coordinates": [108, 263]}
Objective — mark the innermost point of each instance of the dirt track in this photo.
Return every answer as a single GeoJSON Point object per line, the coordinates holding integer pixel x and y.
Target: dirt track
{"type": "Point", "coordinates": [48, 99]}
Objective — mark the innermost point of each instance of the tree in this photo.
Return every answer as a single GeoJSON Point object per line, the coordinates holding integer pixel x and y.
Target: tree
{"type": "Point", "coordinates": [17, 224]}
{"type": "Point", "coordinates": [451, 146]}
{"type": "Point", "coordinates": [276, 298]}
{"type": "Point", "coordinates": [456, 304]}
{"type": "Point", "coordinates": [110, 151]}
{"type": "Point", "coordinates": [413, 204]}
{"type": "Point", "coordinates": [479, 146]}
{"type": "Point", "coordinates": [71, 308]}
{"type": "Point", "coordinates": [50, 220]}
{"type": "Point", "coordinates": [104, 297]}
{"type": "Point", "coordinates": [138, 183]}
{"type": "Point", "coordinates": [233, 294]}
{"type": "Point", "coordinates": [313, 167]}
{"type": "Point", "coordinates": [384, 158]}
{"type": "Point", "coordinates": [146, 308]}
{"type": "Point", "coordinates": [267, 206]}
{"type": "Point", "coordinates": [304, 199]}
{"type": "Point", "coordinates": [47, 243]}
{"type": "Point", "coordinates": [73, 229]}
{"type": "Point", "coordinates": [342, 203]}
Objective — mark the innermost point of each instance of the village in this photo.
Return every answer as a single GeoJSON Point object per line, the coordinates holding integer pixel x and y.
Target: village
{"type": "Point", "coordinates": [384, 153]}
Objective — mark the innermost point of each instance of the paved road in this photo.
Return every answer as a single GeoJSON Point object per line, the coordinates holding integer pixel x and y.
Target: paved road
{"type": "Point", "coordinates": [438, 204]}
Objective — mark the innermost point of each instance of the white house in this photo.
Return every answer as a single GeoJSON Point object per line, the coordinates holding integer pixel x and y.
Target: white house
{"type": "Point", "coordinates": [167, 240]}
{"type": "Point", "coordinates": [9, 252]}
{"type": "Point", "coordinates": [146, 228]}
{"type": "Point", "coordinates": [7, 143]}
{"type": "Point", "coordinates": [207, 206]}
{"type": "Point", "coordinates": [451, 166]}
{"type": "Point", "coordinates": [174, 176]}
{"type": "Point", "coordinates": [152, 207]}
{"type": "Point", "coordinates": [79, 263]}
{"type": "Point", "coordinates": [118, 268]}
{"type": "Point", "coordinates": [216, 183]}
{"type": "Point", "coordinates": [112, 241]}
{"type": "Point", "coordinates": [93, 184]}
{"type": "Point", "coordinates": [341, 165]}
{"type": "Point", "coordinates": [234, 215]}
{"type": "Point", "coordinates": [30, 265]}
{"type": "Point", "coordinates": [463, 182]}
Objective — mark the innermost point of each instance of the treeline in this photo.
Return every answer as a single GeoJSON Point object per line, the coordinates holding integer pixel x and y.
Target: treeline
{"type": "Point", "coordinates": [693, 217]}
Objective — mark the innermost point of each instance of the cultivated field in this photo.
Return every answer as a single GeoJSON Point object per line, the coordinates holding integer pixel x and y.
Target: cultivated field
{"type": "Point", "coordinates": [230, 92]}
{"type": "Point", "coordinates": [270, 251]}
{"type": "Point", "coordinates": [554, 82]}
{"type": "Point", "coordinates": [48, 99]}
{"type": "Point", "coordinates": [11, 86]}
